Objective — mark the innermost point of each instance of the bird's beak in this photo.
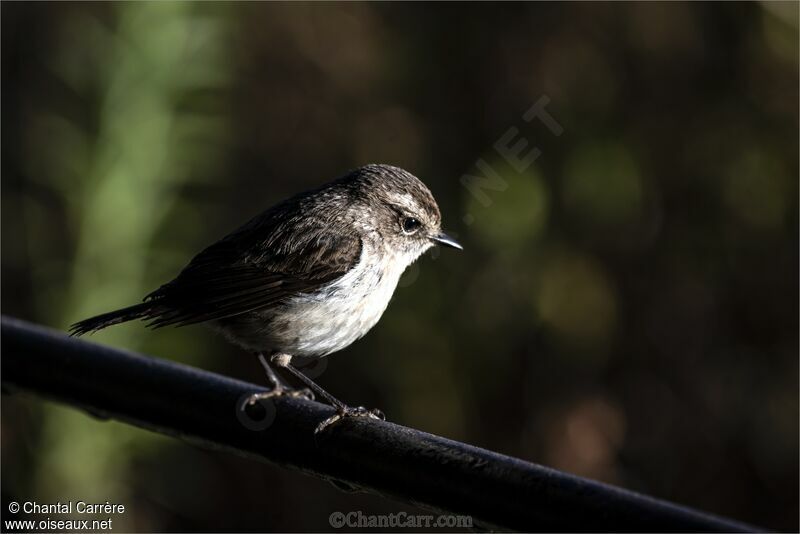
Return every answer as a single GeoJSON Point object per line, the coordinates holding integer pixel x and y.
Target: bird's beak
{"type": "Point", "coordinates": [446, 240]}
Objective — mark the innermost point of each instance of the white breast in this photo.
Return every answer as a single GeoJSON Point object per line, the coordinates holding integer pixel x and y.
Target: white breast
{"type": "Point", "coordinates": [331, 319]}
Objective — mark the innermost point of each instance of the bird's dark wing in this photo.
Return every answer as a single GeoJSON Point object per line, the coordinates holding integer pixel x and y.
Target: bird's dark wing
{"type": "Point", "coordinates": [257, 267]}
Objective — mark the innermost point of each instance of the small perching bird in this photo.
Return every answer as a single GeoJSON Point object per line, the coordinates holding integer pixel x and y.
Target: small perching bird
{"type": "Point", "coordinates": [305, 278]}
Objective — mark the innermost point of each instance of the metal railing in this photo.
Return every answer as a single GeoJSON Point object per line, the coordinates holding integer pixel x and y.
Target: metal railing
{"type": "Point", "coordinates": [498, 491]}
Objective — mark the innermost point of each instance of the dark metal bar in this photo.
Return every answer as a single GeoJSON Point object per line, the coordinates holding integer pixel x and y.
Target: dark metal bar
{"type": "Point", "coordinates": [497, 491]}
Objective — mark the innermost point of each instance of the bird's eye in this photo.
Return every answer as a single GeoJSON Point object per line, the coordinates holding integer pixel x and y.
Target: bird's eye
{"type": "Point", "coordinates": [410, 225]}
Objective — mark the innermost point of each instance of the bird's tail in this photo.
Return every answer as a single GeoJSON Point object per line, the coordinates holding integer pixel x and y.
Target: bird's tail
{"type": "Point", "coordinates": [93, 324]}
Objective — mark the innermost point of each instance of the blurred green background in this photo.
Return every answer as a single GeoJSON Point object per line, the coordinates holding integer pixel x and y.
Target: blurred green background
{"type": "Point", "coordinates": [625, 309]}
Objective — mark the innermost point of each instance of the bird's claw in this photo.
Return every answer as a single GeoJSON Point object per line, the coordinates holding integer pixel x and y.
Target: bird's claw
{"type": "Point", "coordinates": [358, 411]}
{"type": "Point", "coordinates": [304, 393]}
{"type": "Point", "coordinates": [278, 392]}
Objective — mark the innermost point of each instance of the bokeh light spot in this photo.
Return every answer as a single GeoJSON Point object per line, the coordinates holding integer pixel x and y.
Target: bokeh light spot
{"type": "Point", "coordinates": [515, 215]}
{"type": "Point", "coordinates": [756, 190]}
{"type": "Point", "coordinates": [602, 186]}
{"type": "Point", "coordinates": [576, 300]}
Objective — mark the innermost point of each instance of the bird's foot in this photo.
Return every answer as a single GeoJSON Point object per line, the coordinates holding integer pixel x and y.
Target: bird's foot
{"type": "Point", "coordinates": [348, 411]}
{"type": "Point", "coordinates": [278, 391]}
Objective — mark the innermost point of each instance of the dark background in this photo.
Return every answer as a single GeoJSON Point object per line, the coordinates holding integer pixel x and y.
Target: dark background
{"type": "Point", "coordinates": [626, 306]}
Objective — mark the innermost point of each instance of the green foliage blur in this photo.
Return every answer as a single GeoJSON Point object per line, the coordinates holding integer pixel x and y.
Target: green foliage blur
{"type": "Point", "coordinates": [625, 307]}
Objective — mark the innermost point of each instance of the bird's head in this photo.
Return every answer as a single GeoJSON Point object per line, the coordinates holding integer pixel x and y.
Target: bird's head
{"type": "Point", "coordinates": [405, 213]}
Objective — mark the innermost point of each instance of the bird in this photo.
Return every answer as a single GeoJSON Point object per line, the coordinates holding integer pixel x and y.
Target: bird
{"type": "Point", "coordinates": [304, 278]}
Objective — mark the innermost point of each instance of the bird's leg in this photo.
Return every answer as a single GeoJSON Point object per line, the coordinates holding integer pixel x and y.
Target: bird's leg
{"type": "Point", "coordinates": [279, 387]}
{"type": "Point", "coordinates": [277, 383]}
{"type": "Point", "coordinates": [342, 410]}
